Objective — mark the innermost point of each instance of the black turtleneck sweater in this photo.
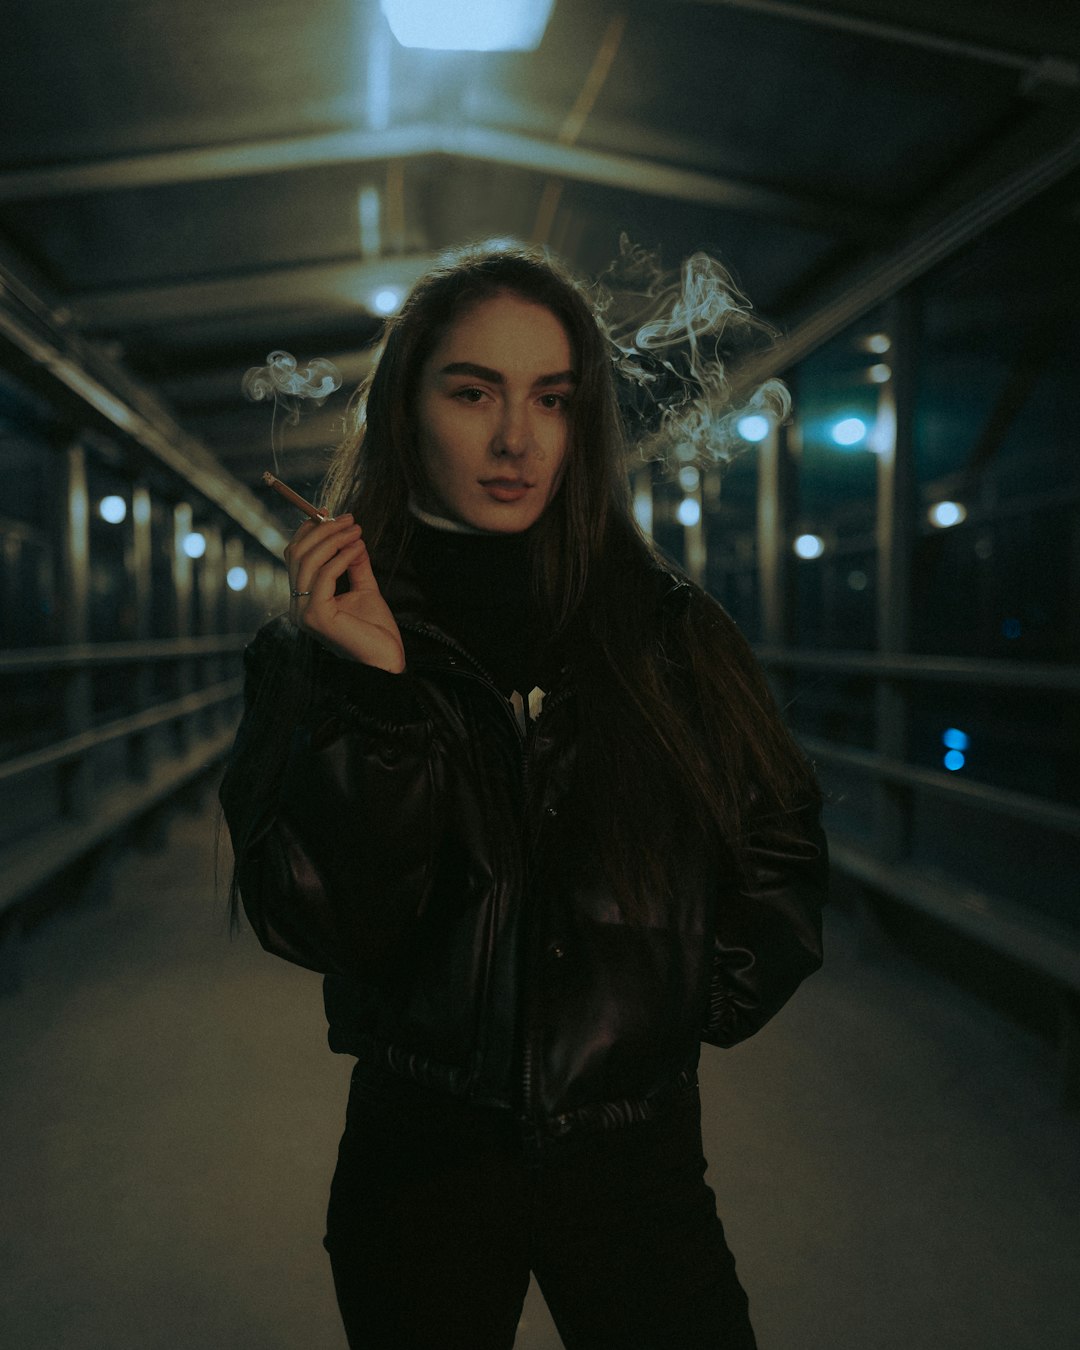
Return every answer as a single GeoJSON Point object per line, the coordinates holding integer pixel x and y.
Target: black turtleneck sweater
{"type": "Point", "coordinates": [478, 589]}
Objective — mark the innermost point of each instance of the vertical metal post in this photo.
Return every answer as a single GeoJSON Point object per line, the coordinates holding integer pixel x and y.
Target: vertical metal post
{"type": "Point", "coordinates": [182, 570]}
{"type": "Point", "coordinates": [212, 582]}
{"type": "Point", "coordinates": [182, 588]}
{"type": "Point", "coordinates": [75, 602]}
{"type": "Point", "coordinates": [12, 626]}
{"type": "Point", "coordinates": [775, 509]}
{"type": "Point", "coordinates": [212, 607]}
{"type": "Point", "coordinates": [694, 540]}
{"type": "Point", "coordinates": [235, 600]}
{"type": "Point", "coordinates": [141, 560]}
{"type": "Point", "coordinates": [142, 589]}
{"type": "Point", "coordinates": [776, 485]}
{"type": "Point", "coordinates": [896, 502]}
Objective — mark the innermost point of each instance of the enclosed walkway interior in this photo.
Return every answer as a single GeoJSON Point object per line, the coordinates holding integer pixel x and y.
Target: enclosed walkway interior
{"type": "Point", "coordinates": [195, 194]}
{"type": "Point", "coordinates": [889, 1156]}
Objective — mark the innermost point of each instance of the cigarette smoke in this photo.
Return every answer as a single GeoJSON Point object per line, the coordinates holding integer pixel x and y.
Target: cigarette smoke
{"type": "Point", "coordinates": [673, 337]}
{"type": "Point", "coordinates": [281, 381]}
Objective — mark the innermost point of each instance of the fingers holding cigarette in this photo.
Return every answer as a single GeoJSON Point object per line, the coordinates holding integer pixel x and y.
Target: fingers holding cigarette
{"type": "Point", "coordinates": [318, 553]}
{"type": "Point", "coordinates": [355, 622]}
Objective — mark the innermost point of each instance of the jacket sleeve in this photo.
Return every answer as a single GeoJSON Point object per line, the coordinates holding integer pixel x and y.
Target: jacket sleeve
{"type": "Point", "coordinates": [335, 829]}
{"type": "Point", "coordinates": [767, 931]}
{"type": "Point", "coordinates": [768, 927]}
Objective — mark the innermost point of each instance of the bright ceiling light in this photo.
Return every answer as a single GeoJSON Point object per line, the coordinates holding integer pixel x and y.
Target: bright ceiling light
{"type": "Point", "coordinates": [478, 26]}
{"type": "Point", "coordinates": [386, 300]}
{"type": "Point", "coordinates": [113, 509]}
{"type": "Point", "coordinates": [753, 427]}
{"type": "Point", "coordinates": [809, 546]}
{"type": "Point", "coordinates": [944, 514]}
{"type": "Point", "coordinates": [850, 431]}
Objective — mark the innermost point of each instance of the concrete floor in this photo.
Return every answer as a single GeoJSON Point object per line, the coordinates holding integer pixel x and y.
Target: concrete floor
{"type": "Point", "coordinates": [890, 1162]}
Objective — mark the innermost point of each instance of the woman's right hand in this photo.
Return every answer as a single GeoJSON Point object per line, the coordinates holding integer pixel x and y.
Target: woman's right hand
{"type": "Point", "coordinates": [356, 623]}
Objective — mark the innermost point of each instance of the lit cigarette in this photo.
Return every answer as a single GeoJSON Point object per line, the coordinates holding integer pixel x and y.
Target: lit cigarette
{"type": "Point", "coordinates": [301, 503]}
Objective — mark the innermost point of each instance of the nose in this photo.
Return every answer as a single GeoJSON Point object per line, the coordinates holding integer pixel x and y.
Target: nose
{"type": "Point", "coordinates": [514, 434]}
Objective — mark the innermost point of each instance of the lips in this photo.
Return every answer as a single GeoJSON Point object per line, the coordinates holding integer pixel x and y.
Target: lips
{"type": "Point", "coordinates": [505, 489]}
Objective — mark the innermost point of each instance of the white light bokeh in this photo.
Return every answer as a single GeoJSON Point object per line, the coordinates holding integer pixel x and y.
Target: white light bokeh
{"type": "Point", "coordinates": [689, 511]}
{"type": "Point", "coordinates": [944, 514]}
{"type": "Point", "coordinates": [753, 427]}
{"type": "Point", "coordinates": [194, 544]}
{"type": "Point", "coordinates": [112, 509]}
{"type": "Point", "coordinates": [236, 578]}
{"type": "Point", "coordinates": [809, 546]}
{"type": "Point", "coordinates": [386, 300]}
{"type": "Point", "coordinates": [849, 431]}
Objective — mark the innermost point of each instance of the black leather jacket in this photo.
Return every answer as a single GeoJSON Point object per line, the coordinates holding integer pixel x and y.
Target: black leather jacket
{"type": "Point", "coordinates": [414, 853]}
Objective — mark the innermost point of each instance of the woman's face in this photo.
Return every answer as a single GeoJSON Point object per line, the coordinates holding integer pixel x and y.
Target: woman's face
{"type": "Point", "coordinates": [494, 416]}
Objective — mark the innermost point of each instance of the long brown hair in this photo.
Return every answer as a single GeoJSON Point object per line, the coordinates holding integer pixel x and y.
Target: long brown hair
{"type": "Point", "coordinates": [676, 721]}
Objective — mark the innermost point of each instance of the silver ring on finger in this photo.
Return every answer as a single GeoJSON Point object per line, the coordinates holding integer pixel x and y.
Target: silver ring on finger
{"type": "Point", "coordinates": [297, 594]}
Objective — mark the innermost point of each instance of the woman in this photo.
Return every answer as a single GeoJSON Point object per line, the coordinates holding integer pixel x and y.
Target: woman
{"type": "Point", "coordinates": [519, 790]}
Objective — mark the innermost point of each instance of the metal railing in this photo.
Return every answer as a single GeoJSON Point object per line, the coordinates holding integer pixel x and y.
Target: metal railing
{"type": "Point", "coordinates": [1020, 933]}
{"type": "Point", "coordinates": [84, 814]}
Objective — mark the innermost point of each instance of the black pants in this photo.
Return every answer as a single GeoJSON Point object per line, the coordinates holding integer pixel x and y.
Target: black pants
{"type": "Point", "coordinates": [435, 1221]}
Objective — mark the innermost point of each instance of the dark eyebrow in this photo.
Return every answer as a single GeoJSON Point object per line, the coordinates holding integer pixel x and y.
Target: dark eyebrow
{"type": "Point", "coordinates": [495, 377]}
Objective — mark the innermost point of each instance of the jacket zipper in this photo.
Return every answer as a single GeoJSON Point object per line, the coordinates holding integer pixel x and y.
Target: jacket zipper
{"type": "Point", "coordinates": [524, 739]}
{"type": "Point", "coordinates": [524, 744]}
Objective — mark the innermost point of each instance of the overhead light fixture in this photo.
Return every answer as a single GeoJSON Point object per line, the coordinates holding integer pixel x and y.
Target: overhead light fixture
{"type": "Point", "coordinates": [945, 514]}
{"type": "Point", "coordinates": [809, 546]}
{"type": "Point", "coordinates": [113, 509]}
{"type": "Point", "coordinates": [479, 26]}
{"type": "Point", "coordinates": [386, 300]}
{"type": "Point", "coordinates": [753, 427]}
{"type": "Point", "coordinates": [850, 431]}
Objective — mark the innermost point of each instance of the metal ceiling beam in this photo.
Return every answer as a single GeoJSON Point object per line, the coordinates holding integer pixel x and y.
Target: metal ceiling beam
{"type": "Point", "coordinates": [1042, 153]}
{"type": "Point", "coordinates": [346, 286]}
{"type": "Point", "coordinates": [1035, 71]}
{"type": "Point", "coordinates": [37, 327]}
{"type": "Point", "coordinates": [485, 144]}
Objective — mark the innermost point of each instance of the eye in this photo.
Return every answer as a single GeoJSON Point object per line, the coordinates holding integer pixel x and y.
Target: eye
{"type": "Point", "coordinates": [555, 402]}
{"type": "Point", "coordinates": [470, 394]}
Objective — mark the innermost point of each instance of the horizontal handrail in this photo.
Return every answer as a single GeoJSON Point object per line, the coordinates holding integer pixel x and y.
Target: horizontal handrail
{"type": "Point", "coordinates": [902, 666]}
{"type": "Point", "coordinates": [995, 921]}
{"type": "Point", "coordinates": [1002, 801]}
{"type": "Point", "coordinates": [85, 741]}
{"type": "Point", "coordinates": [30, 659]}
{"type": "Point", "coordinates": [36, 857]}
